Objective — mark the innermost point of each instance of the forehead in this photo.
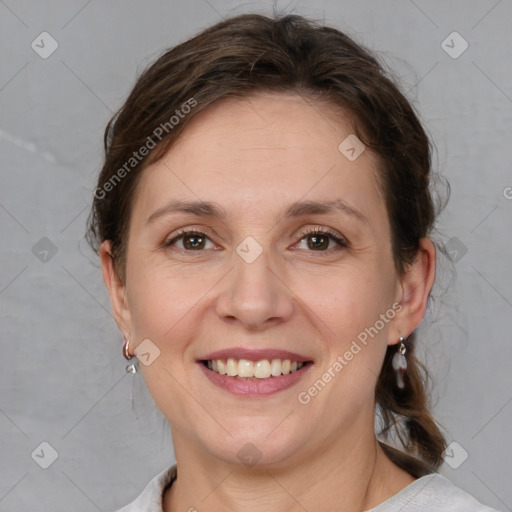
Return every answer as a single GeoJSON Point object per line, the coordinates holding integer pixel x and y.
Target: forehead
{"type": "Point", "coordinates": [270, 148]}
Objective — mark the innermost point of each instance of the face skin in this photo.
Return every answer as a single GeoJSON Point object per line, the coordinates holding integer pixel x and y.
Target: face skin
{"type": "Point", "coordinates": [253, 158]}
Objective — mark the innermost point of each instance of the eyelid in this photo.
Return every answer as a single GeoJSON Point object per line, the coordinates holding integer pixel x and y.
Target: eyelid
{"type": "Point", "coordinates": [171, 239]}
{"type": "Point", "coordinates": [338, 237]}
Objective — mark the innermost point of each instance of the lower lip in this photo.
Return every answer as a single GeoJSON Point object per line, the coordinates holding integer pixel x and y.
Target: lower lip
{"type": "Point", "coordinates": [255, 388]}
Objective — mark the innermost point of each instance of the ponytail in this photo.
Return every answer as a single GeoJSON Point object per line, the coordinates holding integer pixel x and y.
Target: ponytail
{"type": "Point", "coordinates": [405, 414]}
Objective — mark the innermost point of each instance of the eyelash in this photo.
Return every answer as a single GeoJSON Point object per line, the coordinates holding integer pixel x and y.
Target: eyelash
{"type": "Point", "coordinates": [182, 233]}
{"type": "Point", "coordinates": [341, 241]}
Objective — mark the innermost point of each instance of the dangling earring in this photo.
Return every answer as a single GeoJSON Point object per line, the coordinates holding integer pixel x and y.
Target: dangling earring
{"type": "Point", "coordinates": [131, 368]}
{"type": "Point", "coordinates": [399, 363]}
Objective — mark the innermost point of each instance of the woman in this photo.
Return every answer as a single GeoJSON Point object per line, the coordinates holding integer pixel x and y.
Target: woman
{"type": "Point", "coordinates": [262, 220]}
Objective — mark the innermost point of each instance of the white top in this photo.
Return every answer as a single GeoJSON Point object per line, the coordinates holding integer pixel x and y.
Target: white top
{"type": "Point", "coordinates": [430, 493]}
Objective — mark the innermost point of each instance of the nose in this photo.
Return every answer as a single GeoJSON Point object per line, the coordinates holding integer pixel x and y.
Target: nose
{"type": "Point", "coordinates": [254, 295]}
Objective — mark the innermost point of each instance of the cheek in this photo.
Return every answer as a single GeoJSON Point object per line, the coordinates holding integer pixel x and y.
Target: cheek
{"type": "Point", "coordinates": [347, 301]}
{"type": "Point", "coordinates": [153, 306]}
{"type": "Point", "coordinates": [354, 347]}
{"type": "Point", "coordinates": [159, 297]}
{"type": "Point", "coordinates": [355, 309]}
{"type": "Point", "coordinates": [162, 310]}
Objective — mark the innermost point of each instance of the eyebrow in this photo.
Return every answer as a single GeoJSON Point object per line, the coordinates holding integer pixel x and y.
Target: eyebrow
{"type": "Point", "coordinates": [322, 207]}
{"type": "Point", "coordinates": [297, 209]}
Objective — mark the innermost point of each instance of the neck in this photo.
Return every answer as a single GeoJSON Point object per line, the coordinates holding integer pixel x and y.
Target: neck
{"type": "Point", "coordinates": [352, 477]}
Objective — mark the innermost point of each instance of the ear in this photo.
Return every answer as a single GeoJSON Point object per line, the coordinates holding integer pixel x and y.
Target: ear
{"type": "Point", "coordinates": [415, 285]}
{"type": "Point", "coordinates": [116, 289]}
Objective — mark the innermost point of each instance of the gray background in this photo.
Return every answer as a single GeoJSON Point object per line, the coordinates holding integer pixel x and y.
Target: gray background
{"type": "Point", "coordinates": [62, 378]}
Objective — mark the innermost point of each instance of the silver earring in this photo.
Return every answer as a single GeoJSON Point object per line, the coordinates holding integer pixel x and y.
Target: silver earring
{"type": "Point", "coordinates": [131, 368]}
{"type": "Point", "coordinates": [399, 363]}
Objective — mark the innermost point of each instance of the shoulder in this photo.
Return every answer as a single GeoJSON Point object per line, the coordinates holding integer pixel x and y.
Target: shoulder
{"type": "Point", "coordinates": [150, 500]}
{"type": "Point", "coordinates": [432, 493]}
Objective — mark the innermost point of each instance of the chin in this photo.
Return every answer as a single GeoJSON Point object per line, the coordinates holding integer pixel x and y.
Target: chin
{"type": "Point", "coordinates": [258, 447]}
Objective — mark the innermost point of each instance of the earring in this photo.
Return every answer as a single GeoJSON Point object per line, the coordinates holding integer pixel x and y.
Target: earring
{"type": "Point", "coordinates": [399, 363]}
{"type": "Point", "coordinates": [131, 368]}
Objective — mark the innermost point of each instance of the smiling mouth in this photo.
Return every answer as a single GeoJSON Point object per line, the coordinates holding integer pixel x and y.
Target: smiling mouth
{"type": "Point", "coordinates": [245, 369]}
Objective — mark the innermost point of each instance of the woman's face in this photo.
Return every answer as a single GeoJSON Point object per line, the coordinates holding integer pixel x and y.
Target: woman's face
{"type": "Point", "coordinates": [289, 259]}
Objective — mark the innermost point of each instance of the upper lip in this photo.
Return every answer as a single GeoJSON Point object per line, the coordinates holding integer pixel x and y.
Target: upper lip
{"type": "Point", "coordinates": [255, 355]}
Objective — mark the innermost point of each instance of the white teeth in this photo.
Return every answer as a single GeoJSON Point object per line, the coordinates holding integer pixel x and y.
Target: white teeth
{"type": "Point", "coordinates": [262, 369]}
{"type": "Point", "coordinates": [246, 369]}
{"type": "Point", "coordinates": [275, 367]}
{"type": "Point", "coordinates": [221, 367]}
{"type": "Point", "coordinates": [231, 368]}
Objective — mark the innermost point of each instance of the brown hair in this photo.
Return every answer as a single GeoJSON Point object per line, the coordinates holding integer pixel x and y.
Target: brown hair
{"type": "Point", "coordinates": [251, 53]}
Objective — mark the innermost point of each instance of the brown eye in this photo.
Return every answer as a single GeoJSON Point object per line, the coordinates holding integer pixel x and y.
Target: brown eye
{"type": "Point", "coordinates": [190, 241]}
{"type": "Point", "coordinates": [318, 242]}
{"type": "Point", "coordinates": [194, 241]}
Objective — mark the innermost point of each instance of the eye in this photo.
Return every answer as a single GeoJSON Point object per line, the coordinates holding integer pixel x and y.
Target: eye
{"type": "Point", "coordinates": [315, 239]}
{"type": "Point", "coordinates": [190, 240]}
{"type": "Point", "coordinates": [321, 240]}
